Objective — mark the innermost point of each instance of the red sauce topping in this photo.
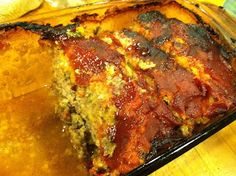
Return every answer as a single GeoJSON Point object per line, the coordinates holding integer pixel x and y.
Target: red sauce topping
{"type": "Point", "coordinates": [3, 45]}
{"type": "Point", "coordinates": [143, 117]}
{"type": "Point", "coordinates": [88, 57]}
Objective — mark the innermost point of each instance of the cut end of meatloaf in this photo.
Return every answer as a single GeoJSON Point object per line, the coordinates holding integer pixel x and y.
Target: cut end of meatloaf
{"type": "Point", "coordinates": [88, 110]}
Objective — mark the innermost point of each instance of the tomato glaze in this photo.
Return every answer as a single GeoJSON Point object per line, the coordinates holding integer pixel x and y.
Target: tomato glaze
{"type": "Point", "coordinates": [160, 99]}
{"type": "Point", "coordinates": [88, 57]}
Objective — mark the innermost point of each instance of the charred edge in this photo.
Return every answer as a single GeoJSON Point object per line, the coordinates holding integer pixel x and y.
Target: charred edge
{"type": "Point", "coordinates": [85, 17]}
{"type": "Point", "coordinates": [199, 19]}
{"type": "Point", "coordinates": [151, 16]}
{"type": "Point", "coordinates": [112, 12]}
{"type": "Point", "coordinates": [47, 31]}
{"type": "Point", "coordinates": [233, 40]}
{"type": "Point", "coordinates": [144, 6]}
{"type": "Point", "coordinates": [197, 5]}
{"type": "Point", "coordinates": [159, 145]}
{"type": "Point", "coordinates": [226, 53]}
{"type": "Point", "coordinates": [221, 7]}
{"type": "Point", "coordinates": [130, 8]}
{"type": "Point", "coordinates": [203, 34]}
{"type": "Point", "coordinates": [210, 29]}
{"type": "Point", "coordinates": [90, 147]}
{"type": "Point", "coordinates": [200, 36]}
{"type": "Point", "coordinates": [145, 47]}
{"type": "Point", "coordinates": [207, 26]}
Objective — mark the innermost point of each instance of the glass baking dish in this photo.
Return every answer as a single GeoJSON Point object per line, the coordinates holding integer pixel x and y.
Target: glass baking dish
{"type": "Point", "coordinates": [216, 17]}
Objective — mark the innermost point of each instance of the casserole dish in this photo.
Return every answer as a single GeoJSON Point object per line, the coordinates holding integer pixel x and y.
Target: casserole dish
{"type": "Point", "coordinates": [163, 151]}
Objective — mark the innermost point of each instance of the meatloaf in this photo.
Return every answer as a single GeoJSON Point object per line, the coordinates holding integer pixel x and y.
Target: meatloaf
{"type": "Point", "coordinates": [135, 77]}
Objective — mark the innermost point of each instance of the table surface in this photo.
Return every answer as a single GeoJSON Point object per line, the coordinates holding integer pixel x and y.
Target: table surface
{"type": "Point", "coordinates": [216, 156]}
